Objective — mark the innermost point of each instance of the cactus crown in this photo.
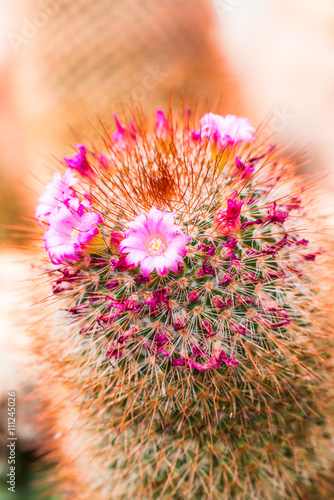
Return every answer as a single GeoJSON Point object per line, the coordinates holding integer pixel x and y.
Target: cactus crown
{"type": "Point", "coordinates": [195, 318]}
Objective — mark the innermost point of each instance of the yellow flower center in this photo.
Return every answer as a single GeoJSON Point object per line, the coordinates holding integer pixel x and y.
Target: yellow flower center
{"type": "Point", "coordinates": [156, 247]}
{"type": "Point", "coordinates": [75, 232]}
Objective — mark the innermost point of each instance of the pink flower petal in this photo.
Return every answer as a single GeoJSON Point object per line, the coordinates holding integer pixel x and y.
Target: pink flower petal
{"type": "Point", "coordinates": [226, 130]}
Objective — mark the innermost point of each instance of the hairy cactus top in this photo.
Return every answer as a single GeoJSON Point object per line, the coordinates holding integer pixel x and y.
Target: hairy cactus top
{"type": "Point", "coordinates": [182, 257]}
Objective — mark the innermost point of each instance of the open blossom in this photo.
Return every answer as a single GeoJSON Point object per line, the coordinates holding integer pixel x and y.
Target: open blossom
{"type": "Point", "coordinates": [226, 130]}
{"type": "Point", "coordinates": [79, 161]}
{"type": "Point", "coordinates": [56, 192]}
{"type": "Point", "coordinates": [227, 220]}
{"type": "Point", "coordinates": [69, 232]}
{"type": "Point", "coordinates": [154, 242]}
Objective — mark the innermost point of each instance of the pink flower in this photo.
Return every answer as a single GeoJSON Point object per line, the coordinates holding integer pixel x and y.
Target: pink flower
{"type": "Point", "coordinates": [228, 220]}
{"type": "Point", "coordinates": [214, 362]}
{"type": "Point", "coordinates": [220, 304]}
{"type": "Point", "coordinates": [161, 126]}
{"type": "Point", "coordinates": [179, 324]}
{"type": "Point", "coordinates": [79, 162]}
{"type": "Point", "coordinates": [123, 137]}
{"type": "Point", "coordinates": [69, 232]}
{"type": "Point", "coordinates": [115, 239]}
{"type": "Point", "coordinates": [245, 169]}
{"type": "Point", "coordinates": [154, 242]}
{"type": "Point", "coordinates": [104, 161]}
{"type": "Point", "coordinates": [226, 130]}
{"type": "Point", "coordinates": [58, 191]}
{"type": "Point", "coordinates": [193, 296]}
{"type": "Point", "coordinates": [275, 216]}
{"type": "Point", "coordinates": [119, 136]}
{"type": "Point", "coordinates": [207, 325]}
{"type": "Point", "coordinates": [120, 264]}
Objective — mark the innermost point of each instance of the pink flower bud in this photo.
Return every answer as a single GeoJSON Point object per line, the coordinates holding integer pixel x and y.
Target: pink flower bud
{"type": "Point", "coordinates": [207, 326]}
{"type": "Point", "coordinates": [115, 239]}
{"type": "Point", "coordinates": [179, 324]}
{"type": "Point", "coordinates": [227, 220]}
{"type": "Point", "coordinates": [111, 285]}
{"type": "Point", "coordinates": [193, 296]}
{"type": "Point", "coordinates": [162, 127]}
{"type": "Point", "coordinates": [220, 304]}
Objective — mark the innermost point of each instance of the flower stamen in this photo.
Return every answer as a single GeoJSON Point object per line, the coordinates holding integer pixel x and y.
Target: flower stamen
{"type": "Point", "coordinates": [156, 247]}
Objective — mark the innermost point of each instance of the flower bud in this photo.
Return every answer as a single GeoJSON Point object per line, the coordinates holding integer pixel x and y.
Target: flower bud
{"type": "Point", "coordinates": [115, 239]}
{"type": "Point", "coordinates": [193, 296]}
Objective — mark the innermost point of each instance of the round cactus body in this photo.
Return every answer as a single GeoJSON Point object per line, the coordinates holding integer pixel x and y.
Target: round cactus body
{"type": "Point", "coordinates": [191, 339]}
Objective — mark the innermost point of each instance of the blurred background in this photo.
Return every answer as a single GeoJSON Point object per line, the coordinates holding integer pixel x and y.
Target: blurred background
{"type": "Point", "coordinates": [65, 63]}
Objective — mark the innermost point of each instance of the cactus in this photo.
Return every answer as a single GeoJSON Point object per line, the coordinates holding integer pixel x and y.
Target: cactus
{"type": "Point", "coordinates": [190, 345]}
